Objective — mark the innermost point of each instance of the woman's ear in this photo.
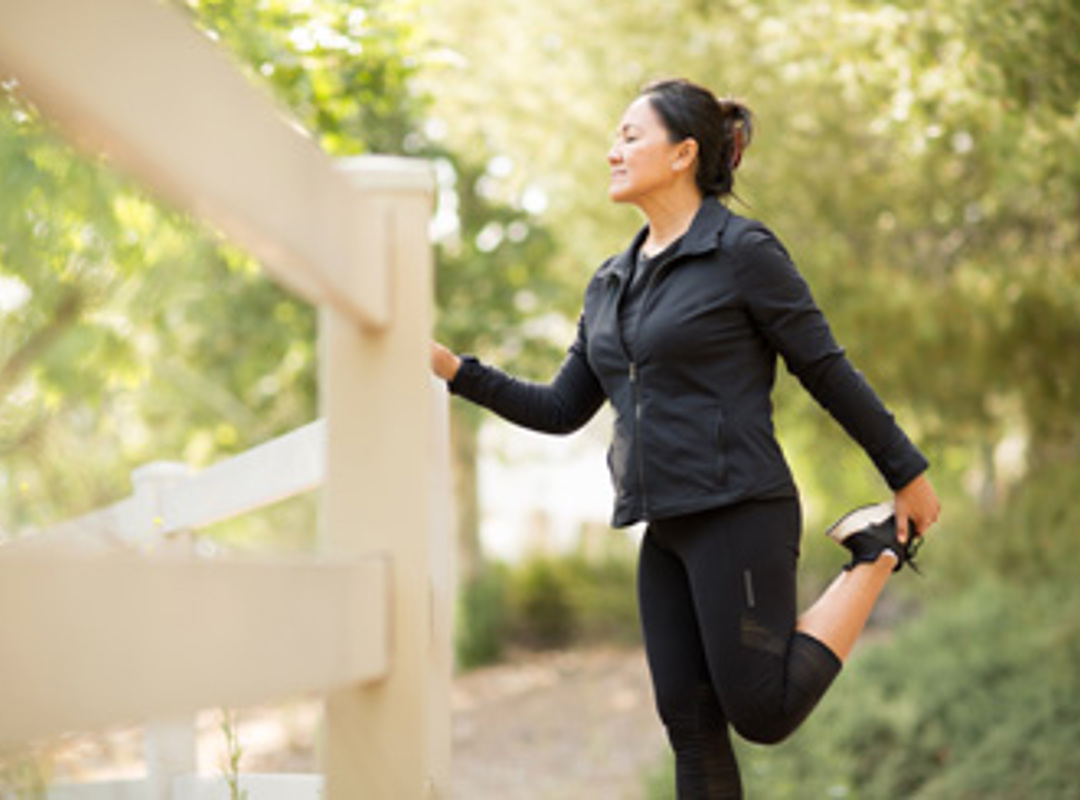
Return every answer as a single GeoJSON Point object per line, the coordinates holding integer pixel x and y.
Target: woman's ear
{"type": "Point", "coordinates": [685, 154]}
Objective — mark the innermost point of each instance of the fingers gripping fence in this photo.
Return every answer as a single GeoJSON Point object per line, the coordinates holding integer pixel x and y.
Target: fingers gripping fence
{"type": "Point", "coordinates": [102, 621]}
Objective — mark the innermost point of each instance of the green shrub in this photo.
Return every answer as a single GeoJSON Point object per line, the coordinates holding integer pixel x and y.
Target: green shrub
{"type": "Point", "coordinates": [1034, 536]}
{"type": "Point", "coordinates": [549, 601]}
{"type": "Point", "coordinates": [482, 618]}
{"type": "Point", "coordinates": [603, 594]}
{"type": "Point", "coordinates": [542, 614]}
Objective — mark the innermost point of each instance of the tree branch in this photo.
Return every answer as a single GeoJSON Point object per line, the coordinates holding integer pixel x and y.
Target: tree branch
{"type": "Point", "coordinates": [66, 314]}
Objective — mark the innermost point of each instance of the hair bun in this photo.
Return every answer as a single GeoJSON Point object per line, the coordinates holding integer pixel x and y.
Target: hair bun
{"type": "Point", "coordinates": [739, 122]}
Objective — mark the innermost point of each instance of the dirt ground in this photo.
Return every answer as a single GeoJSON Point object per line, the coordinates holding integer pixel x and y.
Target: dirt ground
{"type": "Point", "coordinates": [570, 725]}
{"type": "Point", "coordinates": [576, 725]}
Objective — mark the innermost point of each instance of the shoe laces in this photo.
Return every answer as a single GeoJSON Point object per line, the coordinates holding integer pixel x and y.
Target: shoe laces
{"type": "Point", "coordinates": [910, 549]}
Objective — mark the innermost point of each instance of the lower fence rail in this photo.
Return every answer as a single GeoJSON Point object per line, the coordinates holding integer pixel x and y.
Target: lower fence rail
{"type": "Point", "coordinates": [90, 641]}
{"type": "Point", "coordinates": [195, 787]}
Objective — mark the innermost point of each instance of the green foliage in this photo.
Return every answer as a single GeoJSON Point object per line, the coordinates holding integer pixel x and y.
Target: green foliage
{"type": "Point", "coordinates": [1033, 538]}
{"type": "Point", "coordinates": [1031, 46]}
{"type": "Point", "coordinates": [602, 591]}
{"type": "Point", "coordinates": [548, 602]}
{"type": "Point", "coordinates": [77, 341]}
{"type": "Point", "coordinates": [234, 751]}
{"type": "Point", "coordinates": [495, 290]}
{"type": "Point", "coordinates": [558, 601]}
{"type": "Point", "coordinates": [544, 617]}
{"type": "Point", "coordinates": [24, 777]}
{"type": "Point", "coordinates": [481, 622]}
{"type": "Point", "coordinates": [344, 70]}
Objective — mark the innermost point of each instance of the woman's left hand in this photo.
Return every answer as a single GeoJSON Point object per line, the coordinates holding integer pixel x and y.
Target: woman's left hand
{"type": "Point", "coordinates": [916, 503]}
{"type": "Point", "coordinates": [444, 363]}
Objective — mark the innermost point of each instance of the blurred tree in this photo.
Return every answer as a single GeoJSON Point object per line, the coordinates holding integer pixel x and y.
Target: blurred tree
{"type": "Point", "coordinates": [496, 296]}
{"type": "Point", "coordinates": [130, 333]}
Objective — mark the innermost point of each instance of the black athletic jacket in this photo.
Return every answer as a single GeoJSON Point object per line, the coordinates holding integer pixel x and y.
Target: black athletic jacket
{"type": "Point", "coordinates": [693, 414]}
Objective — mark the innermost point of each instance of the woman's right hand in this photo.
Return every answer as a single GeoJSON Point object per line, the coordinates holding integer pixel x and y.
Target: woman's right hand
{"type": "Point", "coordinates": [443, 362]}
{"type": "Point", "coordinates": [918, 503]}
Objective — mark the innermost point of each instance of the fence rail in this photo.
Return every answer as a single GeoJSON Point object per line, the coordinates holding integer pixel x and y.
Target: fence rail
{"type": "Point", "coordinates": [169, 498]}
{"type": "Point", "coordinates": [90, 641]}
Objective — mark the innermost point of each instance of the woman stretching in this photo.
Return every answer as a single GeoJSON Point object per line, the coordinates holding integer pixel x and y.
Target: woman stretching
{"type": "Point", "coordinates": [680, 333]}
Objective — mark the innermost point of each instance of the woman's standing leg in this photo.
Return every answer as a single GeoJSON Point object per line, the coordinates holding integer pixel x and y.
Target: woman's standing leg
{"type": "Point", "coordinates": [705, 766]}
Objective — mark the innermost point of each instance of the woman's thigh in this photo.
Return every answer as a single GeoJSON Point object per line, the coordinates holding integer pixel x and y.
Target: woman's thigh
{"type": "Point", "coordinates": [739, 571]}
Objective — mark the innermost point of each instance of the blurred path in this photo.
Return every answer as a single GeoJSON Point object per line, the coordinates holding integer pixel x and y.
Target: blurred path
{"type": "Point", "coordinates": [574, 725]}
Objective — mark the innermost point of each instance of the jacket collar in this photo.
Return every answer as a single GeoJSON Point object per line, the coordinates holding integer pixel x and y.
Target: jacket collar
{"type": "Point", "coordinates": [702, 236]}
{"type": "Point", "coordinates": [706, 229]}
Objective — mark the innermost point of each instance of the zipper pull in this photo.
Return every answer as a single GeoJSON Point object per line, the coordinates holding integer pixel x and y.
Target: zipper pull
{"type": "Point", "coordinates": [633, 372]}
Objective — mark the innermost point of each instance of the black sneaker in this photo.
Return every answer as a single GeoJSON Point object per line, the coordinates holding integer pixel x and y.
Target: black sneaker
{"type": "Point", "coordinates": [869, 531]}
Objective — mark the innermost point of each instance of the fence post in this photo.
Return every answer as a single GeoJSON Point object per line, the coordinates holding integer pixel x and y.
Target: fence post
{"type": "Point", "coordinates": [149, 482]}
{"type": "Point", "coordinates": [170, 746]}
{"type": "Point", "coordinates": [171, 750]}
{"type": "Point", "coordinates": [442, 540]}
{"type": "Point", "coordinates": [376, 396]}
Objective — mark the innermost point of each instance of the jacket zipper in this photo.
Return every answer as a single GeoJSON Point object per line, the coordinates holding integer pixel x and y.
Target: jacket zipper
{"type": "Point", "coordinates": [638, 450]}
{"type": "Point", "coordinates": [635, 387]}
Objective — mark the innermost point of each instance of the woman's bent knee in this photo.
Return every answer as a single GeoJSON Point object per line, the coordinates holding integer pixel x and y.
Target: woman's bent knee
{"type": "Point", "coordinates": [765, 730]}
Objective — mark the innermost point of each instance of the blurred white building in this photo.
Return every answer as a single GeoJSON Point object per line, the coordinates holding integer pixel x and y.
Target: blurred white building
{"type": "Point", "coordinates": [539, 491]}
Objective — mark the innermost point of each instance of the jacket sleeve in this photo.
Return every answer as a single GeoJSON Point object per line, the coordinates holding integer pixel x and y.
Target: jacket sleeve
{"type": "Point", "coordinates": [782, 307]}
{"type": "Point", "coordinates": [562, 406]}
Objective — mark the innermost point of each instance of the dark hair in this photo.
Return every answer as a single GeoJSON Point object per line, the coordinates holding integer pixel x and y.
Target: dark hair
{"type": "Point", "coordinates": [722, 128]}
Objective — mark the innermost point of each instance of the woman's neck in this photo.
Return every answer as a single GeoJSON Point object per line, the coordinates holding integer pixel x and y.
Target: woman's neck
{"type": "Point", "coordinates": [669, 218]}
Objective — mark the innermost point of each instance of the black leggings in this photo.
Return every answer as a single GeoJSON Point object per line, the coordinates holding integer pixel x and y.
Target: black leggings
{"type": "Point", "coordinates": [716, 592]}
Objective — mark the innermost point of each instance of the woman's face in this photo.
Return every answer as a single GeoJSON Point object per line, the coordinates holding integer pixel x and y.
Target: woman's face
{"type": "Point", "coordinates": [643, 160]}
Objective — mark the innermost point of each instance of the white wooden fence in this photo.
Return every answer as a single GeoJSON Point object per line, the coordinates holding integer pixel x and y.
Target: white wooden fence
{"type": "Point", "coordinates": [99, 622]}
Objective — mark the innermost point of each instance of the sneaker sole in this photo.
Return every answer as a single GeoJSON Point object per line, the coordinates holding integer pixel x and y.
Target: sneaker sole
{"type": "Point", "coordinates": [859, 520]}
